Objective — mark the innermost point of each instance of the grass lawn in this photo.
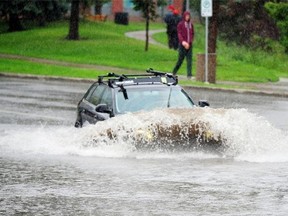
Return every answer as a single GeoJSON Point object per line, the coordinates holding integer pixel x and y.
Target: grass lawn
{"type": "Point", "coordinates": [102, 43]}
{"type": "Point", "coordinates": [33, 68]}
{"type": "Point", "coordinates": [105, 44]}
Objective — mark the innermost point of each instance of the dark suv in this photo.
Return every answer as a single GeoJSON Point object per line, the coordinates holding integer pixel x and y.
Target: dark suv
{"type": "Point", "coordinates": [116, 94]}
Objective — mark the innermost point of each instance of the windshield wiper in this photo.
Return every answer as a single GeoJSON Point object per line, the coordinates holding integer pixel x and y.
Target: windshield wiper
{"type": "Point", "coordinates": [124, 92]}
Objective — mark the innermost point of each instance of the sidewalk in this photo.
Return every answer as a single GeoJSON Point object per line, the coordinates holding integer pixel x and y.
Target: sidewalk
{"type": "Point", "coordinates": [273, 88]}
{"type": "Point", "coordinates": [141, 35]}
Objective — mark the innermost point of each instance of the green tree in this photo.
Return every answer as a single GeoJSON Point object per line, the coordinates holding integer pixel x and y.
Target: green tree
{"type": "Point", "coordinates": [279, 12]}
{"type": "Point", "coordinates": [148, 9]}
{"type": "Point", "coordinates": [49, 10]}
{"type": "Point", "coordinates": [19, 11]}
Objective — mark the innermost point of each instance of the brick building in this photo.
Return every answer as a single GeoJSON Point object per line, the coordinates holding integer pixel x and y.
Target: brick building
{"type": "Point", "coordinates": [122, 5]}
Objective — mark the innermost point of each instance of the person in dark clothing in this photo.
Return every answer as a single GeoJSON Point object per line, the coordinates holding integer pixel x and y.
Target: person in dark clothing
{"type": "Point", "coordinates": [167, 20]}
{"type": "Point", "coordinates": [173, 32]}
{"type": "Point", "coordinates": [185, 31]}
{"type": "Point", "coordinates": [172, 21]}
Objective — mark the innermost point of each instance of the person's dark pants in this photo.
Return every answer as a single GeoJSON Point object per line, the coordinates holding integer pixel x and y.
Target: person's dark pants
{"type": "Point", "coordinates": [174, 40]}
{"type": "Point", "coordinates": [170, 41]}
{"type": "Point", "coordinates": [182, 54]}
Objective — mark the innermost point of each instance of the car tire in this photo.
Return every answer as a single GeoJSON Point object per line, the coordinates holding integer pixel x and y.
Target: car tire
{"type": "Point", "coordinates": [78, 123]}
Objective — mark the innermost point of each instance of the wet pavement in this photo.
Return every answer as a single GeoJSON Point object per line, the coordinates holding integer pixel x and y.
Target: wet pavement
{"type": "Point", "coordinates": [279, 88]}
{"type": "Point", "coordinates": [48, 167]}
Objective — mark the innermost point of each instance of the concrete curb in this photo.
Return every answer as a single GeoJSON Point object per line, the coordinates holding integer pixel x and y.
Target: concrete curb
{"type": "Point", "coordinates": [240, 91]}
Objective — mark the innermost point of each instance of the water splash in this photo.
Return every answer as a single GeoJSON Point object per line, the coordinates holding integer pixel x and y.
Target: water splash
{"type": "Point", "coordinates": [249, 137]}
{"type": "Point", "coordinates": [243, 136]}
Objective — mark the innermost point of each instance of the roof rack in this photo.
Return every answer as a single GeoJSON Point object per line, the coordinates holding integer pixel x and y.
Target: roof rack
{"type": "Point", "coordinates": [151, 77]}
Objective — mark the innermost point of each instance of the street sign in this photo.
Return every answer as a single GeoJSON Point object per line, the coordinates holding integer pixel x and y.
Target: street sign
{"type": "Point", "coordinates": [206, 8]}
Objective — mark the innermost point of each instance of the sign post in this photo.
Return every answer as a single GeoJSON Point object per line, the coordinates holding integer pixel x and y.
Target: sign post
{"type": "Point", "coordinates": [206, 11]}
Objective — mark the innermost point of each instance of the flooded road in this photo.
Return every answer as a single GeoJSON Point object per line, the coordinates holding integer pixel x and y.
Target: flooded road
{"type": "Point", "coordinates": [48, 167]}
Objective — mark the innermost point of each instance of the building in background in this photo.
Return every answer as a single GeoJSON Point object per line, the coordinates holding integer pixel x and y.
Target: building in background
{"type": "Point", "coordinates": [116, 6]}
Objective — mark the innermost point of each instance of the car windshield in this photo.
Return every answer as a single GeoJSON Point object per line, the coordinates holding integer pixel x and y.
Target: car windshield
{"type": "Point", "coordinates": [149, 99]}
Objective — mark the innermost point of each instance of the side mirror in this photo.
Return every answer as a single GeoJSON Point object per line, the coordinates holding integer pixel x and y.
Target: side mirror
{"type": "Point", "coordinates": [103, 108]}
{"type": "Point", "coordinates": [203, 103]}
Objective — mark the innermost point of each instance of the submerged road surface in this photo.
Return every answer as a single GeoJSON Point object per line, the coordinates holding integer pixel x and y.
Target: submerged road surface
{"type": "Point", "coordinates": [48, 167]}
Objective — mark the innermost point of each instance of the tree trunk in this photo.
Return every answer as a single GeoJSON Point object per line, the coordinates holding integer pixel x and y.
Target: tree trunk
{"type": "Point", "coordinates": [213, 28]}
{"type": "Point", "coordinates": [15, 23]}
{"type": "Point", "coordinates": [147, 33]}
{"type": "Point", "coordinates": [74, 21]}
{"type": "Point", "coordinates": [98, 7]}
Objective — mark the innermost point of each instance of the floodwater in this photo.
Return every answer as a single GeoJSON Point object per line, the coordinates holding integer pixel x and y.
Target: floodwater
{"type": "Point", "coordinates": [48, 167]}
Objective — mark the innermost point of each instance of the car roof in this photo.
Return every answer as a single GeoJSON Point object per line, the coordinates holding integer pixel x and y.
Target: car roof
{"type": "Point", "coordinates": [151, 78]}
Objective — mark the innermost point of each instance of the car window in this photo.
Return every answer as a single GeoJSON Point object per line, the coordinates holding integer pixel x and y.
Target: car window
{"type": "Point", "coordinates": [149, 99]}
{"type": "Point", "coordinates": [179, 99]}
{"type": "Point", "coordinates": [107, 97]}
{"type": "Point", "coordinates": [90, 91]}
{"type": "Point", "coordinates": [96, 95]}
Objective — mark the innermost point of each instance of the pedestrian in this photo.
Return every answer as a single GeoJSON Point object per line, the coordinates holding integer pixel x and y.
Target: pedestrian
{"type": "Point", "coordinates": [173, 32]}
{"type": "Point", "coordinates": [169, 22]}
{"type": "Point", "coordinates": [172, 19]}
{"type": "Point", "coordinates": [185, 31]}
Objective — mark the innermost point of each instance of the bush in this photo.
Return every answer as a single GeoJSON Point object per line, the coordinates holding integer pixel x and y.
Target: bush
{"type": "Point", "coordinates": [266, 44]}
{"type": "Point", "coordinates": [247, 23]}
{"type": "Point", "coordinates": [279, 12]}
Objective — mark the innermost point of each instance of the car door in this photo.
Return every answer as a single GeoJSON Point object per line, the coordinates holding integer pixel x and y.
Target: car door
{"type": "Point", "coordinates": [90, 102]}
